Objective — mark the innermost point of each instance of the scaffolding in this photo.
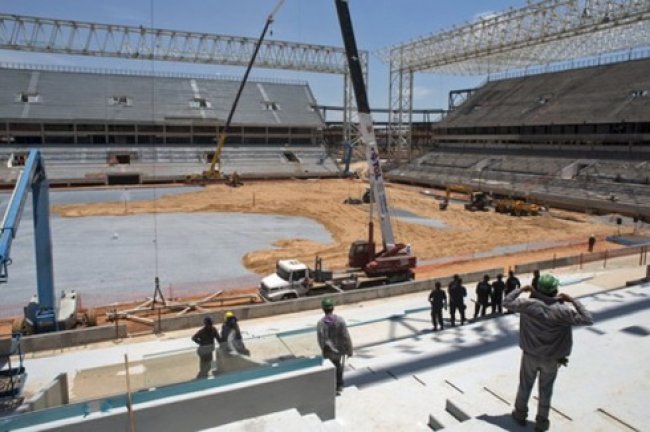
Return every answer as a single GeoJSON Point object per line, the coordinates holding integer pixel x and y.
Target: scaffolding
{"type": "Point", "coordinates": [61, 36]}
{"type": "Point", "coordinates": [539, 33]}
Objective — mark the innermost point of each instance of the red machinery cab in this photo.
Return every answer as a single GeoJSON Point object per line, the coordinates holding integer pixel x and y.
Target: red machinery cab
{"type": "Point", "coordinates": [395, 263]}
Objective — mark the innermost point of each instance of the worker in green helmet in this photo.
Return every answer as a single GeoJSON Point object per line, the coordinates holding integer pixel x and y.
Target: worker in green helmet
{"type": "Point", "coordinates": [334, 340]}
{"type": "Point", "coordinates": [545, 338]}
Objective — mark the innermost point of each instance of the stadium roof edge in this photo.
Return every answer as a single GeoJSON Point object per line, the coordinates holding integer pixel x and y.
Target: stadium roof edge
{"type": "Point", "coordinates": [142, 73]}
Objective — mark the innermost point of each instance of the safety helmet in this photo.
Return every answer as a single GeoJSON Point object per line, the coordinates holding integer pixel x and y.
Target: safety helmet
{"type": "Point", "coordinates": [229, 314]}
{"type": "Point", "coordinates": [327, 303]}
{"type": "Point", "coordinates": [548, 284]}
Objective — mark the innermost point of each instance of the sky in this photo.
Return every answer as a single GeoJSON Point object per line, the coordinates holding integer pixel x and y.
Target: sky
{"type": "Point", "coordinates": [377, 24]}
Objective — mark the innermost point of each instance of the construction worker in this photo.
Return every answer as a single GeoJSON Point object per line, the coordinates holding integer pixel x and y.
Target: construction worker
{"type": "Point", "coordinates": [592, 242]}
{"type": "Point", "coordinates": [455, 280]}
{"type": "Point", "coordinates": [438, 300]}
{"type": "Point", "coordinates": [512, 283]}
{"type": "Point", "coordinates": [231, 338]}
{"type": "Point", "coordinates": [334, 340]}
{"type": "Point", "coordinates": [483, 292]}
{"type": "Point", "coordinates": [457, 294]}
{"type": "Point", "coordinates": [546, 341]}
{"type": "Point", "coordinates": [535, 280]}
{"type": "Point", "coordinates": [205, 338]}
{"type": "Point", "coordinates": [498, 286]}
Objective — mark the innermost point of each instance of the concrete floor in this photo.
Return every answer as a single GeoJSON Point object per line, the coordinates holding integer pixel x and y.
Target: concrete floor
{"type": "Point", "coordinates": [402, 372]}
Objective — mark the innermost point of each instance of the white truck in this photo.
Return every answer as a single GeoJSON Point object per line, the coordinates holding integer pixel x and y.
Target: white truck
{"type": "Point", "coordinates": [293, 279]}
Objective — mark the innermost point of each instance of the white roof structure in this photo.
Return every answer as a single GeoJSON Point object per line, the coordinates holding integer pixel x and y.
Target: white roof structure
{"type": "Point", "coordinates": [542, 32]}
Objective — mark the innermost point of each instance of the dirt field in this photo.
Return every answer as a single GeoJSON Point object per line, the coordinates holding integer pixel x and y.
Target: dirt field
{"type": "Point", "coordinates": [322, 200]}
{"type": "Point", "coordinates": [466, 233]}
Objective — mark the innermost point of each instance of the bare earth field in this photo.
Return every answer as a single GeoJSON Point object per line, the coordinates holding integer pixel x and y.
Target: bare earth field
{"type": "Point", "coordinates": [466, 232]}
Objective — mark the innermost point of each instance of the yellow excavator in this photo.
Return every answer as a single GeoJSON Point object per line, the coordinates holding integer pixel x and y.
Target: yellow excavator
{"type": "Point", "coordinates": [478, 201]}
{"type": "Point", "coordinates": [215, 164]}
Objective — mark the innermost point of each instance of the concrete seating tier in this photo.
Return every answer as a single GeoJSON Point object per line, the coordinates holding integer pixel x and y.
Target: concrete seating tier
{"type": "Point", "coordinates": [83, 163]}
{"type": "Point", "coordinates": [525, 165]}
{"type": "Point", "coordinates": [603, 94]}
{"type": "Point", "coordinates": [450, 160]}
{"type": "Point", "coordinates": [625, 172]}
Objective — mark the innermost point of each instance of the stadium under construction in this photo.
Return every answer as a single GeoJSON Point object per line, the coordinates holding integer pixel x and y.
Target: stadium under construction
{"type": "Point", "coordinates": [553, 146]}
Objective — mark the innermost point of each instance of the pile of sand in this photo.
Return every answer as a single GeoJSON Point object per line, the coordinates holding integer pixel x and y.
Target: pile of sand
{"type": "Point", "coordinates": [322, 200]}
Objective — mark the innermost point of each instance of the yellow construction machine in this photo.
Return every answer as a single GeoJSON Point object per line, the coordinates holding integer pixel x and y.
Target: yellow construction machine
{"type": "Point", "coordinates": [215, 164]}
{"type": "Point", "coordinates": [515, 207]}
{"type": "Point", "coordinates": [478, 201]}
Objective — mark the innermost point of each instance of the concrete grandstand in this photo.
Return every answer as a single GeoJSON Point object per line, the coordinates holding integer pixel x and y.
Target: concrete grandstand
{"type": "Point", "coordinates": [575, 139]}
{"type": "Point", "coordinates": [608, 104]}
{"type": "Point", "coordinates": [106, 127]}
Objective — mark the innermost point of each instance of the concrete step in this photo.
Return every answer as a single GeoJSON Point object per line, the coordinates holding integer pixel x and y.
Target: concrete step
{"type": "Point", "coordinates": [315, 424]}
{"type": "Point", "coordinates": [289, 420]}
{"type": "Point", "coordinates": [391, 406]}
{"type": "Point", "coordinates": [479, 425]}
{"type": "Point", "coordinates": [601, 422]}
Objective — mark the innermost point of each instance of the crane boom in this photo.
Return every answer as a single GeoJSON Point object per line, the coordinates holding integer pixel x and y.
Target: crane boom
{"type": "Point", "coordinates": [365, 123]}
{"type": "Point", "coordinates": [32, 178]}
{"type": "Point", "coordinates": [216, 158]}
{"type": "Point", "coordinates": [43, 312]}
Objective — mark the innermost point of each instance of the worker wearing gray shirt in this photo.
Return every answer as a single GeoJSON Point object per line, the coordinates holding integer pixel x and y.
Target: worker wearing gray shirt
{"type": "Point", "coordinates": [545, 339]}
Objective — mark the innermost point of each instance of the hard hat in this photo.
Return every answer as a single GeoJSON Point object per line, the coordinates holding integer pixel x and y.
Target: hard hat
{"type": "Point", "coordinates": [327, 303]}
{"type": "Point", "coordinates": [229, 314]}
{"type": "Point", "coordinates": [548, 284]}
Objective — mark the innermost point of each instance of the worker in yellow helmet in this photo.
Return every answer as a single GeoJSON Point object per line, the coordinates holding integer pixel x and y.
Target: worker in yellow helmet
{"type": "Point", "coordinates": [231, 335]}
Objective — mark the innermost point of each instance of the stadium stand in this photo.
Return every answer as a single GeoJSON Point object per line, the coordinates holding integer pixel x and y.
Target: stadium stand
{"type": "Point", "coordinates": [602, 104]}
{"type": "Point", "coordinates": [92, 123]}
{"type": "Point", "coordinates": [577, 139]}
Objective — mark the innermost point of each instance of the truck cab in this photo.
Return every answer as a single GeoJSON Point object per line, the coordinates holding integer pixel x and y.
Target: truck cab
{"type": "Point", "coordinates": [287, 282]}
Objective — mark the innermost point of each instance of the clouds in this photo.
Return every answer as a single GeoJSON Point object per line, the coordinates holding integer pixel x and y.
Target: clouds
{"type": "Point", "coordinates": [422, 93]}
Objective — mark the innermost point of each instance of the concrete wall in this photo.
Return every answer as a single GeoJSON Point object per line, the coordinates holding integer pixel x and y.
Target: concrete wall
{"type": "Point", "coordinates": [310, 390]}
{"type": "Point", "coordinates": [577, 259]}
{"type": "Point", "coordinates": [55, 394]}
{"type": "Point", "coordinates": [313, 303]}
{"type": "Point", "coordinates": [69, 338]}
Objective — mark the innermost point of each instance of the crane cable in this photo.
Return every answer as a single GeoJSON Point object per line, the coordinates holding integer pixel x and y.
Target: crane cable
{"type": "Point", "coordinates": [155, 152]}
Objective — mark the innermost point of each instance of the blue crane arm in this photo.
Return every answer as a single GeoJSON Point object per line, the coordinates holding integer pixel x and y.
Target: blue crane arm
{"type": "Point", "coordinates": [32, 178]}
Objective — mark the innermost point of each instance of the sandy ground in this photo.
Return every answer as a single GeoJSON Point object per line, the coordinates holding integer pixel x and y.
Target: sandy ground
{"type": "Point", "coordinates": [466, 232]}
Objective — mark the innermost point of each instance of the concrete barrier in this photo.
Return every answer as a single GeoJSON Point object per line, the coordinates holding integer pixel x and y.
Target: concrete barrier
{"type": "Point", "coordinates": [309, 390]}
{"type": "Point", "coordinates": [70, 338]}
{"type": "Point", "coordinates": [313, 303]}
{"type": "Point", "coordinates": [577, 259]}
{"type": "Point", "coordinates": [54, 395]}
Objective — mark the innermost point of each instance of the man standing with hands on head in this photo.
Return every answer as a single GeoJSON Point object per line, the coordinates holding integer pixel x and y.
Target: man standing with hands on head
{"type": "Point", "coordinates": [545, 338]}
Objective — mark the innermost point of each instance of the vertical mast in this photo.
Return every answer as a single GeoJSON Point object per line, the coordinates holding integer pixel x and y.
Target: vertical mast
{"type": "Point", "coordinates": [365, 122]}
